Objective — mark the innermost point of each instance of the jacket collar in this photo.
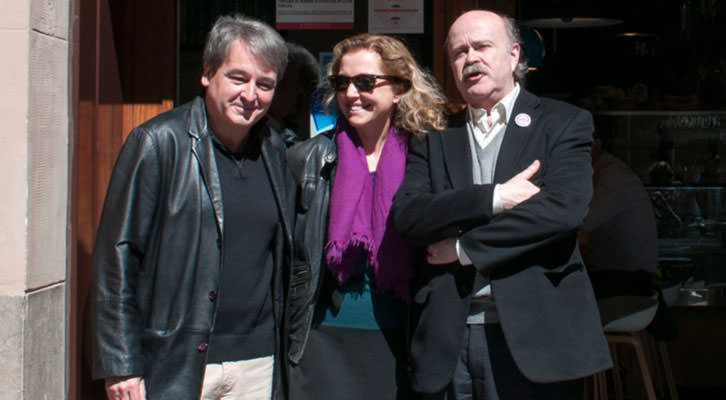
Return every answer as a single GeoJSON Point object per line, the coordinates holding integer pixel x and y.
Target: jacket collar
{"type": "Point", "coordinates": [523, 123]}
{"type": "Point", "coordinates": [273, 150]}
{"type": "Point", "coordinates": [203, 149]}
{"type": "Point", "coordinates": [273, 155]}
{"type": "Point", "coordinates": [455, 143]}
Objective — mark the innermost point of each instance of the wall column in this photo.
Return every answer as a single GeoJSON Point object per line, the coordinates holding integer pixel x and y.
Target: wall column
{"type": "Point", "coordinates": [34, 140]}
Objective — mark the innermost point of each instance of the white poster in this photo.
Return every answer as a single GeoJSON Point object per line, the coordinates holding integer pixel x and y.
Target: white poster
{"type": "Point", "coordinates": [395, 16]}
{"type": "Point", "coordinates": [314, 14]}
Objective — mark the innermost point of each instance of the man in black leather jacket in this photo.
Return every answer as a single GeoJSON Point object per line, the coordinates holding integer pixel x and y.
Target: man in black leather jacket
{"type": "Point", "coordinates": [189, 255]}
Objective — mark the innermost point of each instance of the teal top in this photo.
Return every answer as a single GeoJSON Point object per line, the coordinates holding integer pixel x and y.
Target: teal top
{"type": "Point", "coordinates": [361, 304]}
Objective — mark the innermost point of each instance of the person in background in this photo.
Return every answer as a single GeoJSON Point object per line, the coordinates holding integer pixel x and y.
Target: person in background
{"type": "Point", "coordinates": [618, 238]}
{"type": "Point", "coordinates": [505, 309]}
{"type": "Point", "coordinates": [350, 281]}
{"type": "Point", "coordinates": [188, 263]}
{"type": "Point", "coordinates": [290, 107]}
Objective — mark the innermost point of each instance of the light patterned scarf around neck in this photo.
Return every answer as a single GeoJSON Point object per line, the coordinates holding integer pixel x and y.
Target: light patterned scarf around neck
{"type": "Point", "coordinates": [359, 212]}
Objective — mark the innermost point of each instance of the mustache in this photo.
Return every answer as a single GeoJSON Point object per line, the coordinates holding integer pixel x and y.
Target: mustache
{"type": "Point", "coordinates": [473, 69]}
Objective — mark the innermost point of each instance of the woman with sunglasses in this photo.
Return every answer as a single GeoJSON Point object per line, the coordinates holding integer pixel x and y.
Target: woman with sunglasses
{"type": "Point", "coordinates": [350, 282]}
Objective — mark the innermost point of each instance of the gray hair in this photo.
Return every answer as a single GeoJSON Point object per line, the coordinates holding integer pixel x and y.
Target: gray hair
{"type": "Point", "coordinates": [512, 29]}
{"type": "Point", "coordinates": [263, 41]}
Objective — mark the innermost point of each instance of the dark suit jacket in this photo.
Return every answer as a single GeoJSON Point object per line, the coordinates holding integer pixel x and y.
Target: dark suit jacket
{"type": "Point", "coordinates": [542, 293]}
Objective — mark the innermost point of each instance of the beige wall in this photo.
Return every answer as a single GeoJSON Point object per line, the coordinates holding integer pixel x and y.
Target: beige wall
{"type": "Point", "coordinates": [34, 179]}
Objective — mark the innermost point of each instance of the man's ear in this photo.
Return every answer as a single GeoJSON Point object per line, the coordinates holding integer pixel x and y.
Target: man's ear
{"type": "Point", "coordinates": [205, 75]}
{"type": "Point", "coordinates": [516, 53]}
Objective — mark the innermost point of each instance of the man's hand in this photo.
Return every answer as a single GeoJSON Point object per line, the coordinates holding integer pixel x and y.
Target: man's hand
{"type": "Point", "coordinates": [125, 388]}
{"type": "Point", "coordinates": [518, 188]}
{"type": "Point", "coordinates": [443, 252]}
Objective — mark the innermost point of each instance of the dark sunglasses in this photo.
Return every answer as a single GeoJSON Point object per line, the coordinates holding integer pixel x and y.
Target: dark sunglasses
{"type": "Point", "coordinates": [363, 82]}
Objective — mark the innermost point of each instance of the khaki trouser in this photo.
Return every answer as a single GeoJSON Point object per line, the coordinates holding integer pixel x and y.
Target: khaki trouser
{"type": "Point", "coordinates": [239, 380]}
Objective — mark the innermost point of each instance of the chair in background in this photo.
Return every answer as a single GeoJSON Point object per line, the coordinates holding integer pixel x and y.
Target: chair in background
{"type": "Point", "coordinates": [658, 350]}
{"type": "Point", "coordinates": [624, 318]}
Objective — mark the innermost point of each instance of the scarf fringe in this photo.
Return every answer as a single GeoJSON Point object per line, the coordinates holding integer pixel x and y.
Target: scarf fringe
{"type": "Point", "coordinates": [335, 252]}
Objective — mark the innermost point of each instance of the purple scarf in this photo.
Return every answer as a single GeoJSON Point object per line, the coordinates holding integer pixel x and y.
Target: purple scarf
{"type": "Point", "coordinates": [359, 212]}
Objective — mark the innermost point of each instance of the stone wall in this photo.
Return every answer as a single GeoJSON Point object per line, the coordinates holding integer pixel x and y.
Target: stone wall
{"type": "Point", "coordinates": [34, 179]}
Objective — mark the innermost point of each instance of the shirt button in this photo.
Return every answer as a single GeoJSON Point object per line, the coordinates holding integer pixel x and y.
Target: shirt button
{"type": "Point", "coordinates": [202, 347]}
{"type": "Point", "coordinates": [212, 295]}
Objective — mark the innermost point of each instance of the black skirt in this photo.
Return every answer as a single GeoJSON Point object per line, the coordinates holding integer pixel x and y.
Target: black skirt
{"type": "Point", "coordinates": [351, 363]}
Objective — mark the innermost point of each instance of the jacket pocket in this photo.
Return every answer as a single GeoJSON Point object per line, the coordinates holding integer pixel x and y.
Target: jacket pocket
{"type": "Point", "coordinates": [306, 195]}
{"type": "Point", "coordinates": [299, 278]}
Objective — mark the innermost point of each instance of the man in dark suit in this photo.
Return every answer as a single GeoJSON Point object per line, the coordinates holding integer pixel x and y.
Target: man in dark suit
{"type": "Point", "coordinates": [504, 308]}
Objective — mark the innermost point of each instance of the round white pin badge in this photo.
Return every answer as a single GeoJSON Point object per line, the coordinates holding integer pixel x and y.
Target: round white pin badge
{"type": "Point", "coordinates": [523, 120]}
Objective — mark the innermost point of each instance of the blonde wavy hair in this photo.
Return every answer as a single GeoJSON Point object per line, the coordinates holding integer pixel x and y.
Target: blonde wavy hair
{"type": "Point", "coordinates": [421, 107]}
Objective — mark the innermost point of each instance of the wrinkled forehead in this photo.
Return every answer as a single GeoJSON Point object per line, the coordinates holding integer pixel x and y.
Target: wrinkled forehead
{"type": "Point", "coordinates": [476, 28]}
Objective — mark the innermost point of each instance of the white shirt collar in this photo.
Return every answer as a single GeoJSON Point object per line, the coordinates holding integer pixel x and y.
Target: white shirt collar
{"type": "Point", "coordinates": [500, 113]}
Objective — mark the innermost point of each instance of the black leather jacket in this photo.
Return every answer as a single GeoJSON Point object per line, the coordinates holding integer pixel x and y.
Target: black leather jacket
{"type": "Point", "coordinates": [313, 166]}
{"type": "Point", "coordinates": [158, 252]}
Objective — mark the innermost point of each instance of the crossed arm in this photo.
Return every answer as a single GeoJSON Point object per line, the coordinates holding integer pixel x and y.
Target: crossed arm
{"type": "Point", "coordinates": [511, 193]}
{"type": "Point", "coordinates": [541, 205]}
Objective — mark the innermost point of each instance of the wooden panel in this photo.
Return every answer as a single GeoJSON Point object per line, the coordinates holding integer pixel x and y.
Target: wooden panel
{"type": "Point", "coordinates": [136, 113]}
{"type": "Point", "coordinates": [123, 74]}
